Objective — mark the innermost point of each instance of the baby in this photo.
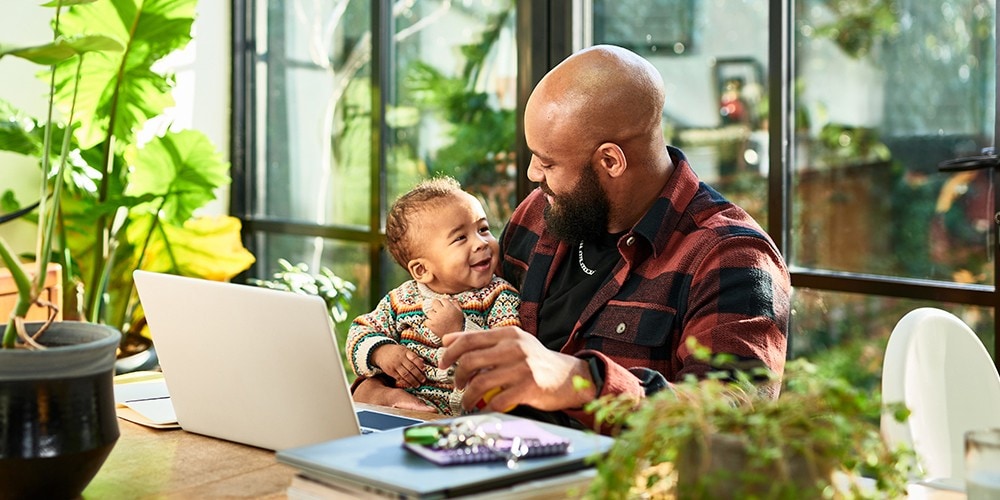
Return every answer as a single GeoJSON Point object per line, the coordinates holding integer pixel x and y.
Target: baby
{"type": "Point", "coordinates": [440, 235]}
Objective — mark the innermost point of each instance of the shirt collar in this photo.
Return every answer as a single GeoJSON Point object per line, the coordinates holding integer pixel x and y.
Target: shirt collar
{"type": "Point", "coordinates": [663, 216]}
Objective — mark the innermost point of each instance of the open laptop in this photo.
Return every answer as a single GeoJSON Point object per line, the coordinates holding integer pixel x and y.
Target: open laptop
{"type": "Point", "coordinates": [251, 364]}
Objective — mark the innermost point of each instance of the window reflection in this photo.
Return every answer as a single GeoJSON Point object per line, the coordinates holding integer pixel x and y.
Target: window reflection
{"type": "Point", "coordinates": [884, 95]}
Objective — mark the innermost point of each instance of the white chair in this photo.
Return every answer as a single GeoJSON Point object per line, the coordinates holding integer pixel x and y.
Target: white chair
{"type": "Point", "coordinates": [937, 366]}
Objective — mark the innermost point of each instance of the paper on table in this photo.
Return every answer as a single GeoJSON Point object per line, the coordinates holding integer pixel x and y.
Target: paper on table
{"type": "Point", "coordinates": [143, 399]}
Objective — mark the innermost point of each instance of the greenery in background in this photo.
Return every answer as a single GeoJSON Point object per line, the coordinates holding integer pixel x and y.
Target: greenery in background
{"type": "Point", "coordinates": [719, 436]}
{"type": "Point", "coordinates": [128, 201]}
{"type": "Point", "coordinates": [480, 151]}
{"type": "Point", "coordinates": [918, 236]}
{"type": "Point", "coordinates": [860, 25]}
{"type": "Point", "coordinates": [334, 290]}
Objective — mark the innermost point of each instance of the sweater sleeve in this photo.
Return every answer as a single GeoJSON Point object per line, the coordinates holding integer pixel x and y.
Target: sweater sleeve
{"type": "Point", "coordinates": [504, 310]}
{"type": "Point", "coordinates": [368, 332]}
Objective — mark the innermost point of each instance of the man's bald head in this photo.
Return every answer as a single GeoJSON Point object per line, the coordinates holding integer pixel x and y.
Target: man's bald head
{"type": "Point", "coordinates": [602, 93]}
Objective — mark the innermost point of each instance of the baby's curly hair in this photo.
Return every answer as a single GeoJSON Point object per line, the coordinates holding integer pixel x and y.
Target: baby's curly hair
{"type": "Point", "coordinates": [400, 220]}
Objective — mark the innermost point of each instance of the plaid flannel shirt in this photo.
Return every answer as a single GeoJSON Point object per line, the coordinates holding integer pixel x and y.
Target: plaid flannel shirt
{"type": "Point", "coordinates": [695, 265]}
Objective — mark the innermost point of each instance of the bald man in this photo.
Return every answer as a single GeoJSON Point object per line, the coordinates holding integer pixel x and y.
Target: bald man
{"type": "Point", "coordinates": [621, 255]}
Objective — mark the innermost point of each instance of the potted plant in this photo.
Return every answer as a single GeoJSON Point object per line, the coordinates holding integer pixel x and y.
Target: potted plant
{"type": "Point", "coordinates": [133, 182]}
{"type": "Point", "coordinates": [721, 438]}
{"type": "Point", "coordinates": [56, 397]}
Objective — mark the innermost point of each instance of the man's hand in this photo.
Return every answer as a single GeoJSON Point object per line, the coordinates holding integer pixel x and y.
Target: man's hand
{"type": "Point", "coordinates": [515, 361]}
{"type": "Point", "coordinates": [444, 316]}
{"type": "Point", "coordinates": [400, 363]}
{"type": "Point", "coordinates": [374, 392]}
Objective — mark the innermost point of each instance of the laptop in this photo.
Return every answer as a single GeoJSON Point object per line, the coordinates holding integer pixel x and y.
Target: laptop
{"type": "Point", "coordinates": [252, 365]}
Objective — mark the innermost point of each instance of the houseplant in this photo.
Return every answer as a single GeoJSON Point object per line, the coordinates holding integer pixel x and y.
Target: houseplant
{"type": "Point", "coordinates": [56, 397]}
{"type": "Point", "coordinates": [55, 391]}
{"type": "Point", "coordinates": [720, 437]}
{"type": "Point", "coordinates": [133, 182]}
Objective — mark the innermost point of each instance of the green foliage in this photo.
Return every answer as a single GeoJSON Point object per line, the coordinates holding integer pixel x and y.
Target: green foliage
{"type": "Point", "coordinates": [122, 202]}
{"type": "Point", "coordinates": [860, 24]}
{"type": "Point", "coordinates": [480, 132]}
{"type": "Point", "coordinates": [334, 290]}
{"type": "Point", "coordinates": [788, 446]}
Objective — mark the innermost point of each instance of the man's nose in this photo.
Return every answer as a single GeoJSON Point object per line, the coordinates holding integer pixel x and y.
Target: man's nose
{"type": "Point", "coordinates": [534, 171]}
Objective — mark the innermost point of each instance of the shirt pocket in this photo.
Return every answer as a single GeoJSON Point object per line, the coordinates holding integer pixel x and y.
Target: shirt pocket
{"type": "Point", "coordinates": [646, 325]}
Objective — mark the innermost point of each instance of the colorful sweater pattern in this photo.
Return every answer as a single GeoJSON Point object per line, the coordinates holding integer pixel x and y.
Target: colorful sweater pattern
{"type": "Point", "coordinates": [399, 318]}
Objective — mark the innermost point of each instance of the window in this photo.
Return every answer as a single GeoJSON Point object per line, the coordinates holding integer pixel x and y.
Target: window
{"type": "Point", "coordinates": [345, 105]}
{"type": "Point", "coordinates": [826, 119]}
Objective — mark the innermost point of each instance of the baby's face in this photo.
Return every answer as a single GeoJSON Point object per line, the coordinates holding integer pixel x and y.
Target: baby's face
{"type": "Point", "coordinates": [454, 239]}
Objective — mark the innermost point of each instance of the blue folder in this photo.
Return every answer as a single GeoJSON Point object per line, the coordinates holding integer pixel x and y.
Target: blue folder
{"type": "Point", "coordinates": [379, 464]}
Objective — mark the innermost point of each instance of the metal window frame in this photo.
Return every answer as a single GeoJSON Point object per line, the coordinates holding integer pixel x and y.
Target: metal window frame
{"type": "Point", "coordinates": [545, 37]}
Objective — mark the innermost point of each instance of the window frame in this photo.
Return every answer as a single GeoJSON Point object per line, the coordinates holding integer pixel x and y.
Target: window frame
{"type": "Point", "coordinates": [546, 36]}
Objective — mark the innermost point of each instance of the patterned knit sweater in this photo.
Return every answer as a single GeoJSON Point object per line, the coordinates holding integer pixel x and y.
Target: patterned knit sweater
{"type": "Point", "coordinates": [399, 318]}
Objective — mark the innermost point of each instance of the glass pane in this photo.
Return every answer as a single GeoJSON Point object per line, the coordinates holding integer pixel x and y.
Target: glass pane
{"type": "Point", "coordinates": [713, 57]}
{"type": "Point", "coordinates": [348, 260]}
{"type": "Point", "coordinates": [882, 97]}
{"type": "Point", "coordinates": [314, 112]}
{"type": "Point", "coordinates": [453, 100]}
{"type": "Point", "coordinates": [845, 334]}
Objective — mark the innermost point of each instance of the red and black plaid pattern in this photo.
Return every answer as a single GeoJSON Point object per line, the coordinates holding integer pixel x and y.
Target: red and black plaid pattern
{"type": "Point", "coordinates": [695, 265]}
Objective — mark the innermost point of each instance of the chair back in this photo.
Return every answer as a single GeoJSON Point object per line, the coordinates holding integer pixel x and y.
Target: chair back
{"type": "Point", "coordinates": [937, 366]}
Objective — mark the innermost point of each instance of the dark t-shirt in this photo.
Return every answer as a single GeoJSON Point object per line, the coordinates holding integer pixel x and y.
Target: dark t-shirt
{"type": "Point", "coordinates": [572, 289]}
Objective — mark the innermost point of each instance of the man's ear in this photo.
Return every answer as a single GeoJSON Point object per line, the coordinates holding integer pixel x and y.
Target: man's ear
{"type": "Point", "coordinates": [419, 270]}
{"type": "Point", "coordinates": [610, 159]}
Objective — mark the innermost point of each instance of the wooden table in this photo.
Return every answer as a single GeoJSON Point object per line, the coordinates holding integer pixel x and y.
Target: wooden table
{"type": "Point", "coordinates": [151, 463]}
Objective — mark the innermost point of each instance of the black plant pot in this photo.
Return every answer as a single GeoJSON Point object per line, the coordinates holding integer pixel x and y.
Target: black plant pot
{"type": "Point", "coordinates": [57, 411]}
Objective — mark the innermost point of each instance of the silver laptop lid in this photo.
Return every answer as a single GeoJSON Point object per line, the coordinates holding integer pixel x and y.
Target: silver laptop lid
{"type": "Point", "coordinates": [248, 364]}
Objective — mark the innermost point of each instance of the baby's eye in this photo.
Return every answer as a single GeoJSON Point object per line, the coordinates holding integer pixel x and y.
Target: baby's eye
{"type": "Point", "coordinates": [484, 229]}
{"type": "Point", "coordinates": [459, 238]}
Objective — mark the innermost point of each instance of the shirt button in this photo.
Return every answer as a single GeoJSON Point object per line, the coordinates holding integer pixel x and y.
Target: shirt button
{"type": "Point", "coordinates": [620, 328]}
{"type": "Point", "coordinates": [630, 241]}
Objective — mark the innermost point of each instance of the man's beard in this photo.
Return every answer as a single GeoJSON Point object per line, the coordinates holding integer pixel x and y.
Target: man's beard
{"type": "Point", "coordinates": [582, 214]}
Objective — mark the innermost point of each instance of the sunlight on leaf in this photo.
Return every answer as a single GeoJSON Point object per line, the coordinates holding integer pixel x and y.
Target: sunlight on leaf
{"type": "Point", "coordinates": [207, 247]}
{"type": "Point", "coordinates": [184, 168]}
{"type": "Point", "coordinates": [149, 30]}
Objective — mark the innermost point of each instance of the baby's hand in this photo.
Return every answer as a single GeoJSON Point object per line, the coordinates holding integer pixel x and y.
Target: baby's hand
{"type": "Point", "coordinates": [400, 363]}
{"type": "Point", "coordinates": [444, 316]}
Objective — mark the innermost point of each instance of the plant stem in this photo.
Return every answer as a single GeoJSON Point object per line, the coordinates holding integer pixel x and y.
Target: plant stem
{"type": "Point", "coordinates": [44, 219]}
{"type": "Point", "coordinates": [95, 291]}
{"type": "Point", "coordinates": [24, 292]}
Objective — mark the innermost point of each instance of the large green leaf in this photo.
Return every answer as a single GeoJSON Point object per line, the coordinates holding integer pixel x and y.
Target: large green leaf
{"type": "Point", "coordinates": [206, 247]}
{"type": "Point", "coordinates": [121, 84]}
{"type": "Point", "coordinates": [47, 54]}
{"type": "Point", "coordinates": [184, 168]}
{"type": "Point", "coordinates": [66, 3]}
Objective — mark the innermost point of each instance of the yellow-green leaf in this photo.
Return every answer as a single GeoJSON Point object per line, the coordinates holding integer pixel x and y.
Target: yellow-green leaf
{"type": "Point", "coordinates": [207, 247]}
